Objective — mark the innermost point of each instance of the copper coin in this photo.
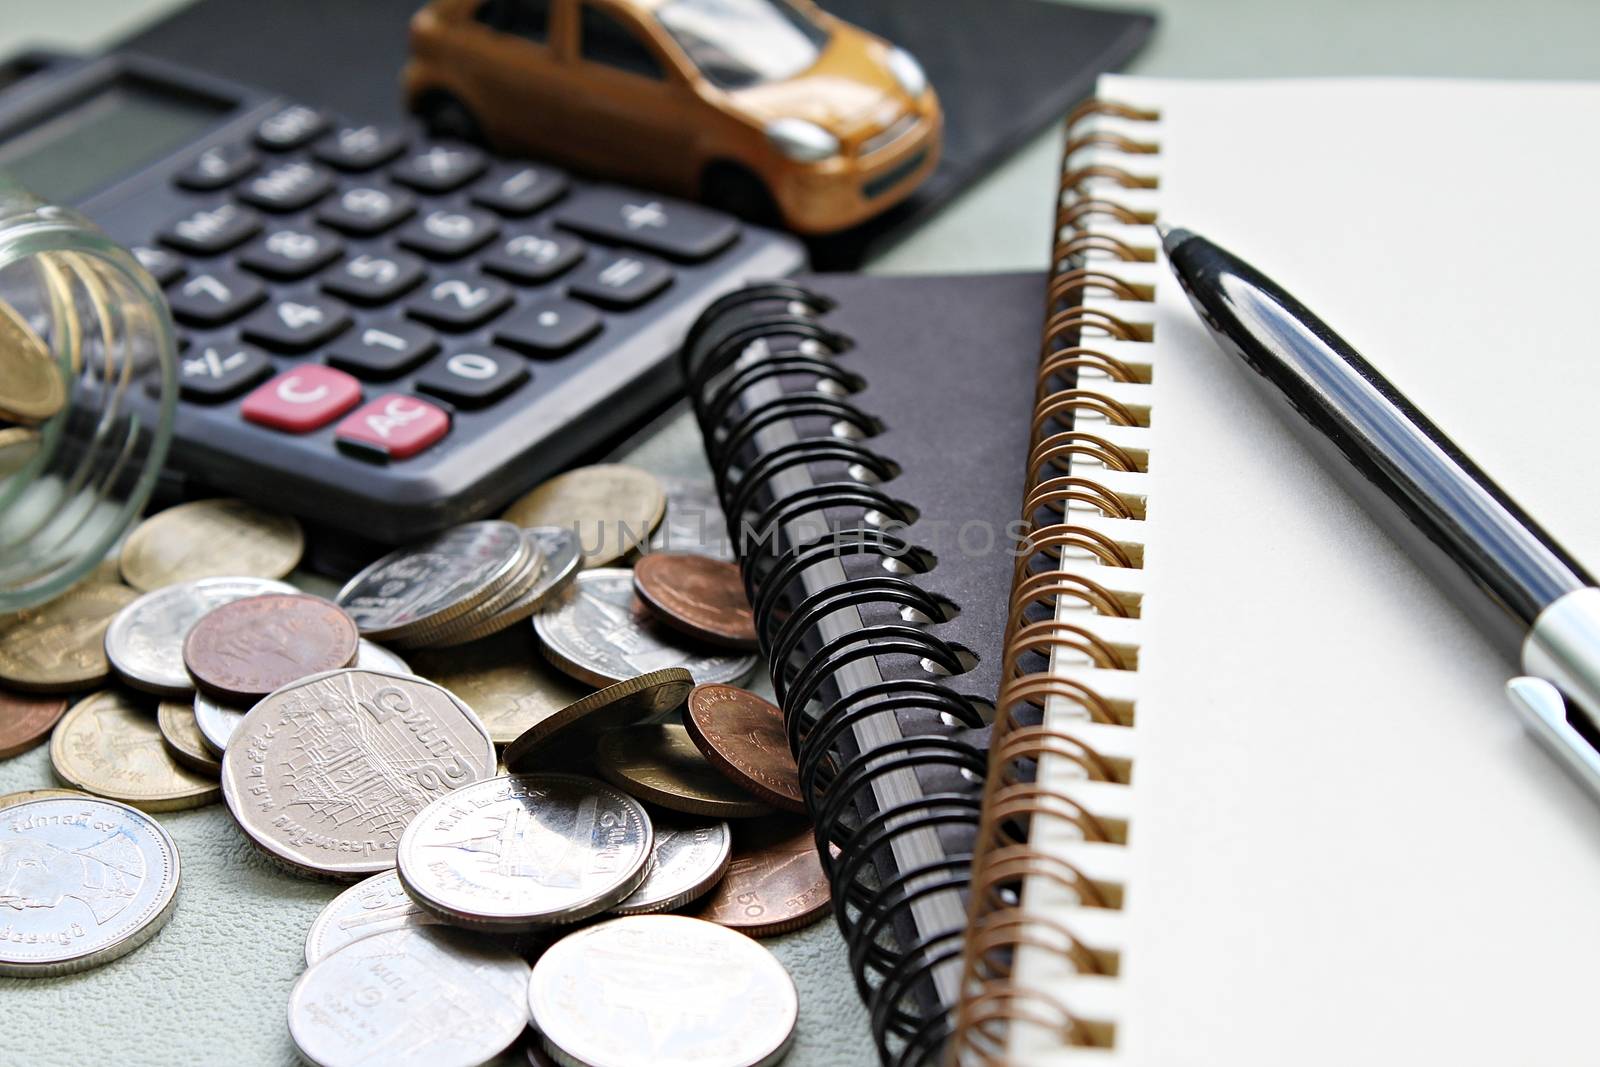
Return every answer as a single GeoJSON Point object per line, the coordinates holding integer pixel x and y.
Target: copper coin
{"type": "Point", "coordinates": [742, 736]}
{"type": "Point", "coordinates": [251, 647]}
{"type": "Point", "coordinates": [774, 884]}
{"type": "Point", "coordinates": [698, 596]}
{"type": "Point", "coordinates": [552, 742]}
{"type": "Point", "coordinates": [26, 722]}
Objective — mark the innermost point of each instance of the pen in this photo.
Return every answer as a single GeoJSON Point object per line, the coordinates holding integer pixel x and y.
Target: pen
{"type": "Point", "coordinates": [1531, 596]}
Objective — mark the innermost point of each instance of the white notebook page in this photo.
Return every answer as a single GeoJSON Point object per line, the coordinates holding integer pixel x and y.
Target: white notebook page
{"type": "Point", "coordinates": [1342, 846]}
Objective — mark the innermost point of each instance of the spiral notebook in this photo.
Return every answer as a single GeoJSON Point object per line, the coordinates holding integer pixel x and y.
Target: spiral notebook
{"type": "Point", "coordinates": [1256, 796]}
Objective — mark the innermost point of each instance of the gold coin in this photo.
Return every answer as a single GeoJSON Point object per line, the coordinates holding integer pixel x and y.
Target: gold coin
{"type": "Point", "coordinates": [18, 445]}
{"type": "Point", "coordinates": [209, 539]}
{"type": "Point", "coordinates": [660, 764]}
{"type": "Point", "coordinates": [11, 800]}
{"type": "Point", "coordinates": [109, 745]}
{"type": "Point", "coordinates": [502, 678]}
{"type": "Point", "coordinates": [613, 509]}
{"type": "Point", "coordinates": [184, 742]}
{"type": "Point", "coordinates": [32, 387]}
{"type": "Point", "coordinates": [60, 647]}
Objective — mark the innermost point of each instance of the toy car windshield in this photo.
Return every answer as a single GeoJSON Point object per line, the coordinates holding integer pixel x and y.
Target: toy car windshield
{"type": "Point", "coordinates": [740, 43]}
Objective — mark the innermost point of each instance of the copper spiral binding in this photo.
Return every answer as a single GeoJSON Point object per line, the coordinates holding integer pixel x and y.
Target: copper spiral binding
{"type": "Point", "coordinates": [1060, 611]}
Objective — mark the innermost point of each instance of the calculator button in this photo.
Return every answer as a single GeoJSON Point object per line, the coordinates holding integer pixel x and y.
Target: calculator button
{"type": "Point", "coordinates": [620, 281]}
{"type": "Point", "coordinates": [385, 350]}
{"type": "Point", "coordinates": [290, 128]}
{"type": "Point", "coordinates": [300, 400]}
{"type": "Point", "coordinates": [473, 379]}
{"type": "Point", "coordinates": [163, 266]}
{"type": "Point", "coordinates": [394, 425]}
{"type": "Point", "coordinates": [297, 324]}
{"type": "Point", "coordinates": [440, 168]}
{"type": "Point", "coordinates": [550, 327]}
{"type": "Point", "coordinates": [459, 303]}
{"type": "Point", "coordinates": [287, 187]}
{"type": "Point", "coordinates": [520, 190]}
{"type": "Point", "coordinates": [211, 230]}
{"type": "Point", "coordinates": [357, 148]}
{"type": "Point", "coordinates": [218, 166]}
{"type": "Point", "coordinates": [681, 231]}
{"type": "Point", "coordinates": [291, 253]}
{"type": "Point", "coordinates": [531, 258]}
{"type": "Point", "coordinates": [366, 210]}
{"type": "Point", "coordinates": [374, 279]}
{"type": "Point", "coordinates": [215, 297]}
{"type": "Point", "coordinates": [450, 234]}
{"type": "Point", "coordinates": [213, 373]}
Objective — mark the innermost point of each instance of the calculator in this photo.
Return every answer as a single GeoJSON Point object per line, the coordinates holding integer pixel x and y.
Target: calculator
{"type": "Point", "coordinates": [380, 332]}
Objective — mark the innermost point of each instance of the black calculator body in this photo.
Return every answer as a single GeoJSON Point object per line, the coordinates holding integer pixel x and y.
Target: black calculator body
{"type": "Point", "coordinates": [380, 332]}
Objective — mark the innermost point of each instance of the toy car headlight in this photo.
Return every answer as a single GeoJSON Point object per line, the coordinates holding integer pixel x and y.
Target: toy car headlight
{"type": "Point", "coordinates": [802, 141]}
{"type": "Point", "coordinates": [908, 72]}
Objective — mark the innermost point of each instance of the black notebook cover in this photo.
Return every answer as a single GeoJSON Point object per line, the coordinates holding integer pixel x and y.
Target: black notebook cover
{"type": "Point", "coordinates": [1004, 70]}
{"type": "Point", "coordinates": [869, 437]}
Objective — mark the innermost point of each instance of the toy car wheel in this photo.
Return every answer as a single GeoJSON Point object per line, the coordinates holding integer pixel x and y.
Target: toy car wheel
{"type": "Point", "coordinates": [737, 190]}
{"type": "Point", "coordinates": [446, 116]}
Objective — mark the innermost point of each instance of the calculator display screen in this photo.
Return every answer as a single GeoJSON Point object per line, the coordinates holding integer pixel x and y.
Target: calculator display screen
{"type": "Point", "coordinates": [101, 137]}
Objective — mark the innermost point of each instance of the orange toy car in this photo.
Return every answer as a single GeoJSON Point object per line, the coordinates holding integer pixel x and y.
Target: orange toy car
{"type": "Point", "coordinates": [770, 108]}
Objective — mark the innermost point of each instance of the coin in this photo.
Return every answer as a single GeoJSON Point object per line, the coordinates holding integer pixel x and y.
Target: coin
{"type": "Point", "coordinates": [145, 641]}
{"type": "Point", "coordinates": [325, 773]}
{"type": "Point", "coordinates": [82, 882]}
{"type": "Point", "coordinates": [110, 745]}
{"type": "Point", "coordinates": [250, 647]}
{"type": "Point", "coordinates": [60, 647]}
{"type": "Point", "coordinates": [560, 560]}
{"type": "Point", "coordinates": [504, 680]}
{"type": "Point", "coordinates": [698, 596]}
{"type": "Point", "coordinates": [695, 521]}
{"type": "Point", "coordinates": [613, 509]}
{"type": "Point", "coordinates": [439, 579]}
{"type": "Point", "coordinates": [209, 539]}
{"type": "Point", "coordinates": [598, 634]}
{"type": "Point", "coordinates": [18, 446]}
{"type": "Point", "coordinates": [32, 385]}
{"type": "Point", "coordinates": [687, 859]}
{"type": "Point", "coordinates": [11, 800]}
{"type": "Point", "coordinates": [659, 763]}
{"type": "Point", "coordinates": [413, 997]}
{"type": "Point", "coordinates": [775, 882]}
{"type": "Point", "coordinates": [742, 736]}
{"type": "Point", "coordinates": [26, 721]}
{"type": "Point", "coordinates": [217, 721]}
{"type": "Point", "coordinates": [525, 851]}
{"type": "Point", "coordinates": [571, 732]}
{"type": "Point", "coordinates": [373, 905]}
{"type": "Point", "coordinates": [182, 736]}
{"type": "Point", "coordinates": [508, 590]}
{"type": "Point", "coordinates": [662, 991]}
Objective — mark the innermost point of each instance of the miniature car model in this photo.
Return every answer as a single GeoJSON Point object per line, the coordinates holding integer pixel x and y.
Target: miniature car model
{"type": "Point", "coordinates": [771, 108]}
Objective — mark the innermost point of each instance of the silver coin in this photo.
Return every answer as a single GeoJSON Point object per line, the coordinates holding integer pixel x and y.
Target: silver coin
{"type": "Point", "coordinates": [526, 851]}
{"type": "Point", "coordinates": [428, 583]}
{"type": "Point", "coordinates": [373, 905]}
{"type": "Point", "coordinates": [598, 634]}
{"type": "Point", "coordinates": [688, 858]}
{"type": "Point", "coordinates": [695, 521]}
{"type": "Point", "coordinates": [325, 773]}
{"type": "Point", "coordinates": [562, 558]}
{"type": "Point", "coordinates": [217, 720]}
{"type": "Point", "coordinates": [145, 640]}
{"type": "Point", "coordinates": [508, 590]}
{"type": "Point", "coordinates": [662, 991]}
{"type": "Point", "coordinates": [423, 996]}
{"type": "Point", "coordinates": [82, 881]}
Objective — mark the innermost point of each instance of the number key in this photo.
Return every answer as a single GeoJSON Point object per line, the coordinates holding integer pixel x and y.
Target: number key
{"type": "Point", "coordinates": [384, 350]}
{"type": "Point", "coordinates": [296, 324]}
{"type": "Point", "coordinates": [449, 234]}
{"type": "Point", "coordinates": [357, 148]}
{"type": "Point", "coordinates": [366, 210]}
{"type": "Point", "coordinates": [473, 379]}
{"type": "Point", "coordinates": [208, 231]}
{"type": "Point", "coordinates": [215, 297]}
{"type": "Point", "coordinates": [459, 303]}
{"type": "Point", "coordinates": [218, 166]}
{"type": "Point", "coordinates": [531, 258]}
{"type": "Point", "coordinates": [287, 187]}
{"type": "Point", "coordinates": [290, 128]}
{"type": "Point", "coordinates": [440, 168]}
{"type": "Point", "coordinates": [163, 266]}
{"type": "Point", "coordinates": [374, 279]}
{"type": "Point", "coordinates": [292, 254]}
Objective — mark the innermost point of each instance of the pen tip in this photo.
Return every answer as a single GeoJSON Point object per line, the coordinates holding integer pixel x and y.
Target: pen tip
{"type": "Point", "coordinates": [1172, 236]}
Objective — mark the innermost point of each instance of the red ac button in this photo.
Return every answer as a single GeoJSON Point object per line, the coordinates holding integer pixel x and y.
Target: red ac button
{"type": "Point", "coordinates": [399, 426]}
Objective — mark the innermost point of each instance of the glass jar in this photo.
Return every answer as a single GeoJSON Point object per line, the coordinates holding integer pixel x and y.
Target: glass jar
{"type": "Point", "coordinates": [88, 382]}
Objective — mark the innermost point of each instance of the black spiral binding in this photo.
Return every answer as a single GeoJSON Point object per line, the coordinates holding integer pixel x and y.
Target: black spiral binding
{"type": "Point", "coordinates": [761, 359]}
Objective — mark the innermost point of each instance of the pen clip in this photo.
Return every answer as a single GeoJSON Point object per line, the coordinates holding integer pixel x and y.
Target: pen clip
{"type": "Point", "coordinates": [1543, 708]}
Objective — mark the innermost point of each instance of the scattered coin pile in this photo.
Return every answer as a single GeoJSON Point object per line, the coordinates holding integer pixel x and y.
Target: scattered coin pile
{"type": "Point", "coordinates": [637, 779]}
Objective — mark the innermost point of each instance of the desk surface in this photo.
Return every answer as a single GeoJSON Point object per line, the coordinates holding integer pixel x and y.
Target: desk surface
{"type": "Point", "coordinates": [212, 987]}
